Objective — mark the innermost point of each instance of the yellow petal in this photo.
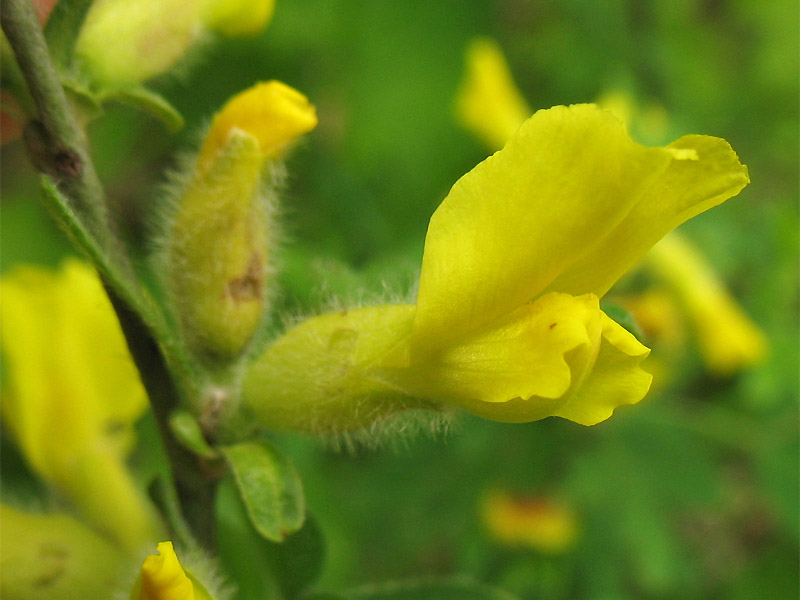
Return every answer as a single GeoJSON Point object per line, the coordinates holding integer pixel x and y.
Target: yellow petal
{"type": "Point", "coordinates": [272, 112]}
{"type": "Point", "coordinates": [510, 226]}
{"type": "Point", "coordinates": [488, 103]}
{"type": "Point", "coordinates": [237, 17]}
{"type": "Point", "coordinates": [615, 378]}
{"type": "Point", "coordinates": [163, 578]}
{"type": "Point", "coordinates": [568, 205]}
{"type": "Point", "coordinates": [531, 357]}
{"type": "Point", "coordinates": [729, 340]}
{"type": "Point", "coordinates": [701, 172]}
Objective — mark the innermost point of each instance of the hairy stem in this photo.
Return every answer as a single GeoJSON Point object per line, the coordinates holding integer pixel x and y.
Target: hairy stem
{"type": "Point", "coordinates": [56, 142]}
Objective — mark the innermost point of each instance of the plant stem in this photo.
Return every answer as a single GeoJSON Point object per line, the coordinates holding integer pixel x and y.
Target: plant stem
{"type": "Point", "coordinates": [56, 142]}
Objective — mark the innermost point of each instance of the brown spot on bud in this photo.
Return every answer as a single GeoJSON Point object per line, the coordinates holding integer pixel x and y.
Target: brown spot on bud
{"type": "Point", "coordinates": [249, 286]}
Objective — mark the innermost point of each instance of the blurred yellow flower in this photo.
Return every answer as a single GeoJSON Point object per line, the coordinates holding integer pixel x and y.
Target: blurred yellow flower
{"type": "Point", "coordinates": [507, 322]}
{"type": "Point", "coordinates": [488, 103]}
{"type": "Point", "coordinates": [728, 339]}
{"type": "Point", "coordinates": [221, 231]}
{"type": "Point", "coordinates": [72, 394]}
{"type": "Point", "coordinates": [537, 522]}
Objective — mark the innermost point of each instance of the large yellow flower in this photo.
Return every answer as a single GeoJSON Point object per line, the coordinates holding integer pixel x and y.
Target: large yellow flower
{"type": "Point", "coordinates": [507, 322]}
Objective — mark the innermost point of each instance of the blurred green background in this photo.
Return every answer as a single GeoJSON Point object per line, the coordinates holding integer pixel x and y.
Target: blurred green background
{"type": "Point", "coordinates": [693, 493]}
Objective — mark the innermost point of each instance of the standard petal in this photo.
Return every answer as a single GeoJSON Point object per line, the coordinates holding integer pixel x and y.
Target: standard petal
{"type": "Point", "coordinates": [702, 172]}
{"type": "Point", "coordinates": [615, 378]}
{"type": "Point", "coordinates": [535, 354]}
{"type": "Point", "coordinates": [510, 226]}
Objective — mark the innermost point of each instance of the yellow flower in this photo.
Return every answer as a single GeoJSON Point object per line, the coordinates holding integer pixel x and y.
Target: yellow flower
{"type": "Point", "coordinates": [73, 394]}
{"type": "Point", "coordinates": [507, 323]}
{"type": "Point", "coordinates": [162, 577]}
{"type": "Point", "coordinates": [728, 339]}
{"type": "Point", "coordinates": [220, 234]}
{"type": "Point", "coordinates": [488, 103]}
{"type": "Point", "coordinates": [536, 522]}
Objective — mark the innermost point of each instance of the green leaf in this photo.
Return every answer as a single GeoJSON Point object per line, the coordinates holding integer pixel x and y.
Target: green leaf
{"type": "Point", "coordinates": [187, 431]}
{"type": "Point", "coordinates": [63, 27]}
{"type": "Point", "coordinates": [260, 568]}
{"type": "Point", "coordinates": [431, 589]}
{"type": "Point", "coordinates": [269, 487]}
{"type": "Point", "coordinates": [148, 101]}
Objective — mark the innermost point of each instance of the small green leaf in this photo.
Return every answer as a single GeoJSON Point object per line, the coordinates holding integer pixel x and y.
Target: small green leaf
{"type": "Point", "coordinates": [188, 432]}
{"type": "Point", "coordinates": [431, 589]}
{"type": "Point", "coordinates": [82, 98]}
{"type": "Point", "coordinates": [63, 28]}
{"type": "Point", "coordinates": [269, 487]}
{"type": "Point", "coordinates": [148, 101]}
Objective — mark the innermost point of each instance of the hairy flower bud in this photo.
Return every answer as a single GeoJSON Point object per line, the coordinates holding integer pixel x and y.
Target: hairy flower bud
{"type": "Point", "coordinates": [220, 235]}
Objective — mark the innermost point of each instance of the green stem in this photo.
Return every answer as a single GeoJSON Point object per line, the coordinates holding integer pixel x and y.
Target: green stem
{"type": "Point", "coordinates": [56, 142]}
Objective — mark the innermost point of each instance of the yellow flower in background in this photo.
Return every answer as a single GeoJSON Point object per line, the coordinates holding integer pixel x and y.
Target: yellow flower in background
{"type": "Point", "coordinates": [488, 103]}
{"type": "Point", "coordinates": [162, 577]}
{"type": "Point", "coordinates": [536, 522]}
{"type": "Point", "coordinates": [220, 235]}
{"type": "Point", "coordinates": [728, 339]}
{"type": "Point", "coordinates": [507, 322]}
{"type": "Point", "coordinates": [72, 394]}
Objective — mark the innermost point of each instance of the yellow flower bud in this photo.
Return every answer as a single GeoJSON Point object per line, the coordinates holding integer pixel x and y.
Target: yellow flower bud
{"type": "Point", "coordinates": [45, 556]}
{"type": "Point", "coordinates": [162, 577]}
{"type": "Point", "coordinates": [220, 235]}
{"type": "Point", "coordinates": [237, 17]}
{"type": "Point", "coordinates": [129, 41]}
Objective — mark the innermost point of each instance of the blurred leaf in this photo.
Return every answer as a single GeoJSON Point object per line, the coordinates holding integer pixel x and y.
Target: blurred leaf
{"type": "Point", "coordinates": [150, 102]}
{"type": "Point", "coordinates": [263, 569]}
{"type": "Point", "coordinates": [430, 590]}
{"type": "Point", "coordinates": [63, 27]}
{"type": "Point", "coordinates": [269, 487]}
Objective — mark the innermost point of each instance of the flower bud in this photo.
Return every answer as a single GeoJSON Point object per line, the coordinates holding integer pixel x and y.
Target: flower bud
{"type": "Point", "coordinates": [221, 232]}
{"type": "Point", "coordinates": [237, 17]}
{"type": "Point", "coordinates": [163, 577]}
{"type": "Point", "coordinates": [54, 556]}
{"type": "Point", "coordinates": [128, 41]}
